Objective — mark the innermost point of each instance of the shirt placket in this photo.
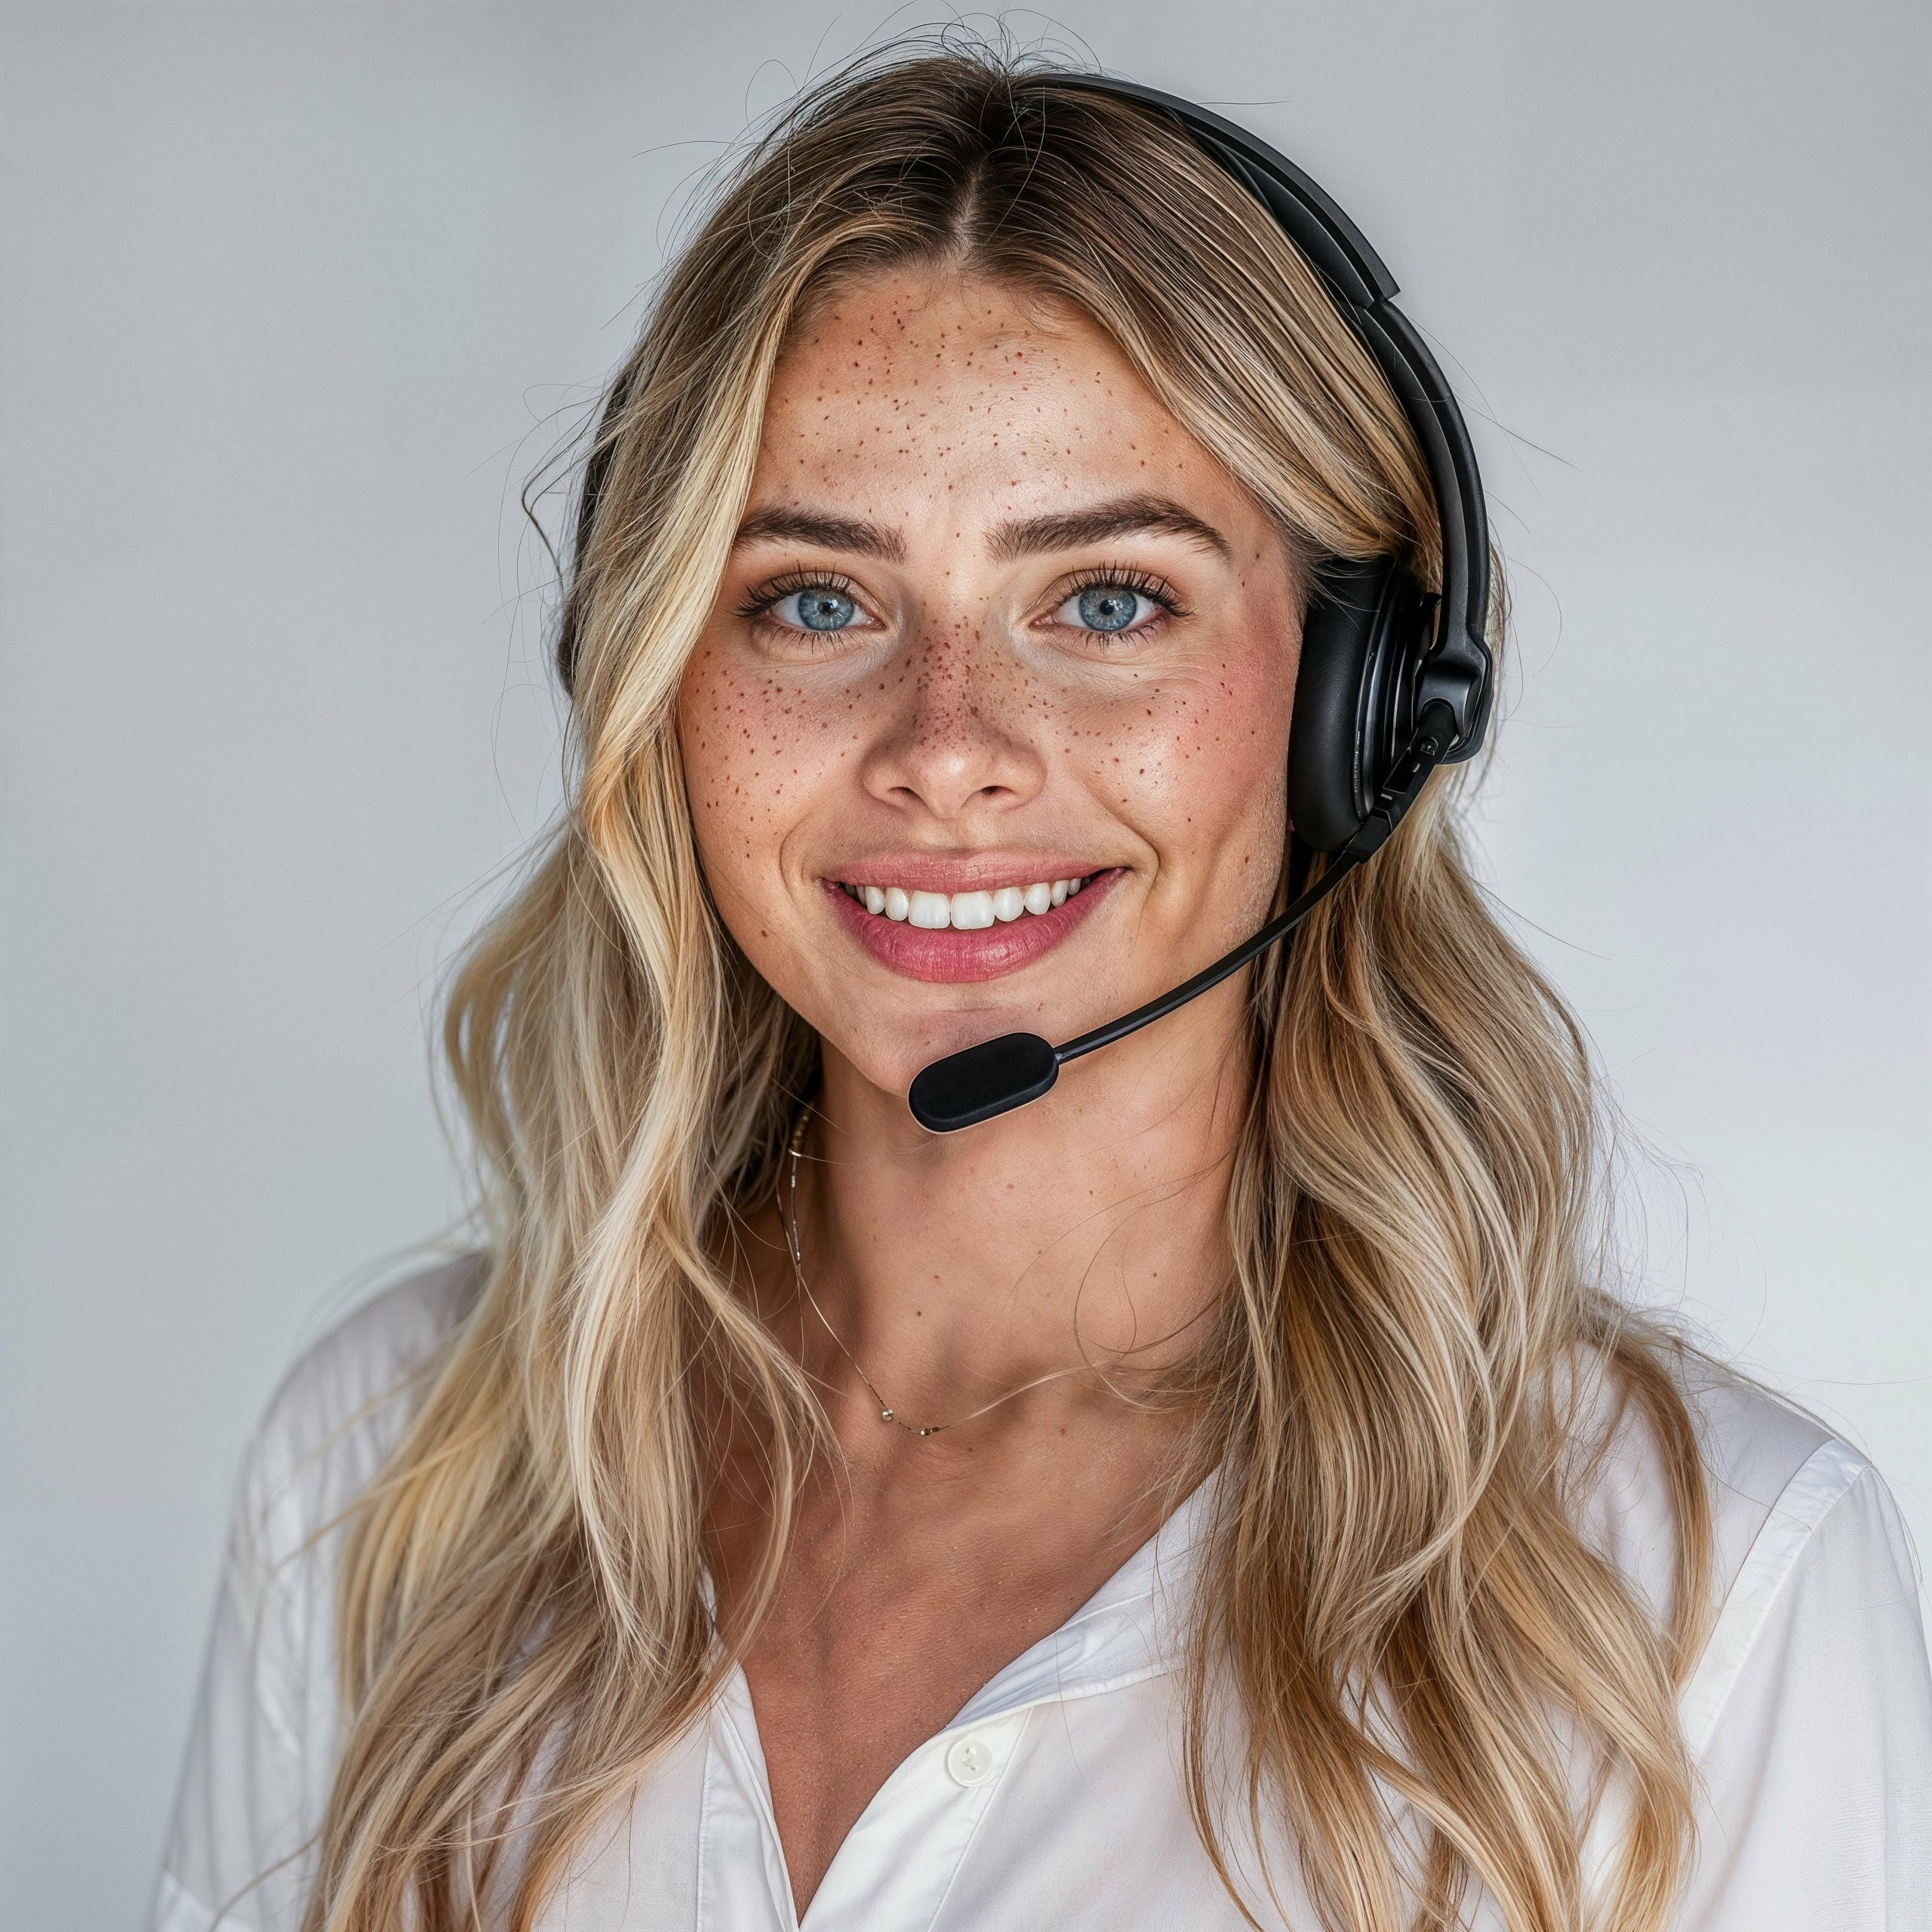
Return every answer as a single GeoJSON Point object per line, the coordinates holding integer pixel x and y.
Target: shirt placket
{"type": "Point", "coordinates": [892, 1871]}
{"type": "Point", "coordinates": [897, 1865]}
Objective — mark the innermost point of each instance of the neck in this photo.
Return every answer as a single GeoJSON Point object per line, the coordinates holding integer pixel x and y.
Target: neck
{"type": "Point", "coordinates": [1085, 1233]}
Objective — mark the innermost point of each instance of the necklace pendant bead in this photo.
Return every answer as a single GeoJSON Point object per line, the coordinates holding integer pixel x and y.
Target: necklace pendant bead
{"type": "Point", "coordinates": [885, 1415]}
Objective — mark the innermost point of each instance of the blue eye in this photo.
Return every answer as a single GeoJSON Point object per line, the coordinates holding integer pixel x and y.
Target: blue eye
{"type": "Point", "coordinates": [1110, 606]}
{"type": "Point", "coordinates": [819, 607]}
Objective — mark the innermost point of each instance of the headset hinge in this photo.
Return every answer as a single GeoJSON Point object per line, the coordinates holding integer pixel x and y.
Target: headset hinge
{"type": "Point", "coordinates": [1435, 732]}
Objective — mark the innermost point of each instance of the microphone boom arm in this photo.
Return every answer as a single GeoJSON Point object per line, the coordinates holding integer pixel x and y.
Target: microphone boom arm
{"type": "Point", "coordinates": [981, 1082]}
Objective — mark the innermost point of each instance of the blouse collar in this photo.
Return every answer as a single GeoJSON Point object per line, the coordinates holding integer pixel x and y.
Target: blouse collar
{"type": "Point", "coordinates": [1135, 1625]}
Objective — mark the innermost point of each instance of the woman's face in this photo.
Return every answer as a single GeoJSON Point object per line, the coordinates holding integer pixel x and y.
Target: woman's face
{"type": "Point", "coordinates": [994, 622]}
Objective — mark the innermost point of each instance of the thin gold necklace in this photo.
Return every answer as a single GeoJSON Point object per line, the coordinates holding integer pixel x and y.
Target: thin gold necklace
{"type": "Point", "coordinates": [887, 1413]}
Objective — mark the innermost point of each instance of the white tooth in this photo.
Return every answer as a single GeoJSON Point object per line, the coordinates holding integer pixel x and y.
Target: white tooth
{"type": "Point", "coordinates": [897, 904]}
{"type": "Point", "coordinates": [1073, 885]}
{"type": "Point", "coordinates": [1039, 898]}
{"type": "Point", "coordinates": [1009, 902]}
{"type": "Point", "coordinates": [972, 911]}
{"type": "Point", "coordinates": [1059, 892]}
{"type": "Point", "coordinates": [932, 910]}
{"type": "Point", "coordinates": [875, 899]}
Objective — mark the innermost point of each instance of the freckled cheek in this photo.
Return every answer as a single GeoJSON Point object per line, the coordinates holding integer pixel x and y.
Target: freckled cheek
{"type": "Point", "coordinates": [1195, 770]}
{"type": "Point", "coordinates": [759, 760]}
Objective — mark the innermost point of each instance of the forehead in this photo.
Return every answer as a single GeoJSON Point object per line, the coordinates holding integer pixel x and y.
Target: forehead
{"type": "Point", "coordinates": [929, 388]}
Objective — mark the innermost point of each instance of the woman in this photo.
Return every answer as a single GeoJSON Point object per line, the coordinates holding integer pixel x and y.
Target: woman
{"type": "Point", "coordinates": [1223, 1492]}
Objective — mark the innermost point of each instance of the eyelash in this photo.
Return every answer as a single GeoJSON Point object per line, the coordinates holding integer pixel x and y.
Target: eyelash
{"type": "Point", "coordinates": [1155, 590]}
{"type": "Point", "coordinates": [776, 588]}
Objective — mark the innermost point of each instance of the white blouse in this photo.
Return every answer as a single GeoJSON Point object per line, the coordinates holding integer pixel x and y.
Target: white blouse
{"type": "Point", "coordinates": [1054, 1798]}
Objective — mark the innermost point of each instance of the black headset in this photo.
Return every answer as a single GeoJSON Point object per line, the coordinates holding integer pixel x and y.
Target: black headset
{"type": "Point", "coordinates": [1394, 679]}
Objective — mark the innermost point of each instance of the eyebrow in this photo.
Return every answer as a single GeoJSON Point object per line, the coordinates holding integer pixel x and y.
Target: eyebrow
{"type": "Point", "coordinates": [1126, 516]}
{"type": "Point", "coordinates": [829, 532]}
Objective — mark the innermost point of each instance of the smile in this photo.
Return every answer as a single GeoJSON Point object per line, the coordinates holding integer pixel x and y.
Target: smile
{"type": "Point", "coordinates": [963, 912]}
{"type": "Point", "coordinates": [958, 937]}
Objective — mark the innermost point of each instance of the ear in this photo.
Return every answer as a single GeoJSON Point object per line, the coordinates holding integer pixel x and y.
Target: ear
{"type": "Point", "coordinates": [1367, 627]}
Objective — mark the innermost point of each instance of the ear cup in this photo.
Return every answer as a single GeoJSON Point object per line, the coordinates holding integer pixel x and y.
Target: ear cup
{"type": "Point", "coordinates": [1368, 626]}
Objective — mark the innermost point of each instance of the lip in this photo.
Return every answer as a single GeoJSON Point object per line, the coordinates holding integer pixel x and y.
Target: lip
{"type": "Point", "coordinates": [988, 953]}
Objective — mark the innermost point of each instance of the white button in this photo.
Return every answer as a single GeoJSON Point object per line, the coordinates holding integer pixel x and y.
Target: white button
{"type": "Point", "coordinates": [970, 1761]}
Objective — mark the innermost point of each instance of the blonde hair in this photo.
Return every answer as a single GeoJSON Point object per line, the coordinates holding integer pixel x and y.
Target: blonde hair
{"type": "Point", "coordinates": [1398, 1599]}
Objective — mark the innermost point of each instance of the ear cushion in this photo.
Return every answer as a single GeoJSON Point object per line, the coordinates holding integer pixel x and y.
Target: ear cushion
{"type": "Point", "coordinates": [1362, 642]}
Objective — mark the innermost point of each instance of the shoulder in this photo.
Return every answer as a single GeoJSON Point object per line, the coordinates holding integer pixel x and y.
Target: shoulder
{"type": "Point", "coordinates": [1807, 1710]}
{"type": "Point", "coordinates": [1772, 1475]}
{"type": "Point", "coordinates": [343, 1408]}
{"type": "Point", "coordinates": [1758, 1449]}
{"type": "Point", "coordinates": [260, 1761]}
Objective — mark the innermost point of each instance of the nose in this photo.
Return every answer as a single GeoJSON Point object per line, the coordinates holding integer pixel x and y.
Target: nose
{"type": "Point", "coordinates": [960, 739]}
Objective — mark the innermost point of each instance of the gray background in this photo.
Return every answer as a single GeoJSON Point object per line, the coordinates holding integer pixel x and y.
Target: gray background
{"type": "Point", "coordinates": [297, 296]}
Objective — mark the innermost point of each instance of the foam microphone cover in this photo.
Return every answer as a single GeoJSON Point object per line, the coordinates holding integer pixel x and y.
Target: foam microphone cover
{"type": "Point", "coordinates": [983, 1081]}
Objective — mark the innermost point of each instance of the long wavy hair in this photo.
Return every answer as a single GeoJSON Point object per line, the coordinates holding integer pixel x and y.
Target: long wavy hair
{"type": "Point", "coordinates": [1420, 1644]}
